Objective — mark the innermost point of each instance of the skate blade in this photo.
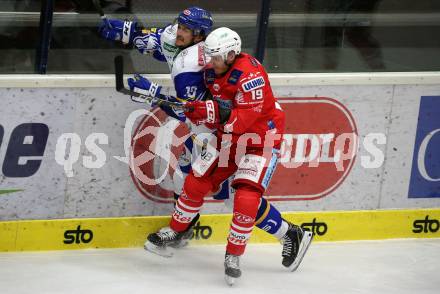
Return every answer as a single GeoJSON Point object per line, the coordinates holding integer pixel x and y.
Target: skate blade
{"type": "Point", "coordinates": [181, 244]}
{"type": "Point", "coordinates": [161, 251]}
{"type": "Point", "coordinates": [304, 246]}
{"type": "Point", "coordinates": [229, 280]}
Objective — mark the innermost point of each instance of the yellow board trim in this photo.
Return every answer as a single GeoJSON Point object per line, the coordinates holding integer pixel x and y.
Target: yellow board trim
{"type": "Point", "coordinates": [213, 229]}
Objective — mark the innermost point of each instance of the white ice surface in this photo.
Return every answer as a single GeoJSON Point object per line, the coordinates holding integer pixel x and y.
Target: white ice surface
{"type": "Point", "coordinates": [396, 266]}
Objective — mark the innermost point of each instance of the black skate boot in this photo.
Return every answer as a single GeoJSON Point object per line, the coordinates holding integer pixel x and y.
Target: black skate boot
{"type": "Point", "coordinates": [187, 234]}
{"type": "Point", "coordinates": [232, 268]}
{"type": "Point", "coordinates": [159, 242]}
{"type": "Point", "coordinates": [295, 242]}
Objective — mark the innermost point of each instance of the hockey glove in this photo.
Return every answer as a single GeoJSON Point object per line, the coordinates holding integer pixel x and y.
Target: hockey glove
{"type": "Point", "coordinates": [143, 86]}
{"type": "Point", "coordinates": [118, 30]}
{"type": "Point", "coordinates": [200, 112]}
{"type": "Point", "coordinates": [146, 43]}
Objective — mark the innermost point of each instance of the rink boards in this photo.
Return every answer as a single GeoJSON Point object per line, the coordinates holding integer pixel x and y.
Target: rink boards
{"type": "Point", "coordinates": [370, 144]}
{"type": "Point", "coordinates": [213, 229]}
{"type": "Point", "coordinates": [361, 160]}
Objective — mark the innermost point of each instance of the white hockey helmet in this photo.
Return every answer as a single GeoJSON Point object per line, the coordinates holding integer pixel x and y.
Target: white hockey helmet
{"type": "Point", "coordinates": [221, 41]}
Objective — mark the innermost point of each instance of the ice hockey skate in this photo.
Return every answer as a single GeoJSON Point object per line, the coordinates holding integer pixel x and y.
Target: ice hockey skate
{"type": "Point", "coordinates": [159, 243]}
{"type": "Point", "coordinates": [232, 268]}
{"type": "Point", "coordinates": [295, 242]}
{"type": "Point", "coordinates": [184, 241]}
{"type": "Point", "coordinates": [186, 235]}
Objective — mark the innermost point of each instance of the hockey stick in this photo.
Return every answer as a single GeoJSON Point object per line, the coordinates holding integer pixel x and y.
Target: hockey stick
{"type": "Point", "coordinates": [119, 78]}
{"type": "Point", "coordinates": [98, 7]}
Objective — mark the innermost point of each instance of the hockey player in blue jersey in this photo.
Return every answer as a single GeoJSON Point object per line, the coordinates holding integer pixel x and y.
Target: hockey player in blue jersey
{"type": "Point", "coordinates": [181, 45]}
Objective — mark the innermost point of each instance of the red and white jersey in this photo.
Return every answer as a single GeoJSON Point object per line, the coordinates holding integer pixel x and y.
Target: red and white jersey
{"type": "Point", "coordinates": [246, 90]}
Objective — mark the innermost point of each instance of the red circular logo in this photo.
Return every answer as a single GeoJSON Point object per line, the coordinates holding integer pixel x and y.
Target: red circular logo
{"type": "Point", "coordinates": [318, 152]}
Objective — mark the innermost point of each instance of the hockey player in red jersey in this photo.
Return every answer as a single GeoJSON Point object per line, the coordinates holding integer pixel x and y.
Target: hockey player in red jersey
{"type": "Point", "coordinates": [250, 124]}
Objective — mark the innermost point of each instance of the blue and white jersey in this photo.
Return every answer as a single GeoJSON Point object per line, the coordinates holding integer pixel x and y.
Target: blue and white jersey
{"type": "Point", "coordinates": [186, 69]}
{"type": "Point", "coordinates": [186, 66]}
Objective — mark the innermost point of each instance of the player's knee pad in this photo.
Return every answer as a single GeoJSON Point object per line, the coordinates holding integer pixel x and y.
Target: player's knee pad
{"type": "Point", "coordinates": [246, 201]}
{"type": "Point", "coordinates": [196, 188]}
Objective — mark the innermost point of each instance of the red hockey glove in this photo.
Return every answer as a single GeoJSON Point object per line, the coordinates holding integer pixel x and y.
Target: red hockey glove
{"type": "Point", "coordinates": [200, 112]}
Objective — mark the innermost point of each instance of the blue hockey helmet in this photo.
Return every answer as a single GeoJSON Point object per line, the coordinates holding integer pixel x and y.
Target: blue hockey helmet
{"type": "Point", "coordinates": [197, 19]}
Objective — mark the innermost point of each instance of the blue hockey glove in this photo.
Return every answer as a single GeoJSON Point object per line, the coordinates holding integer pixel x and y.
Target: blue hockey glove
{"type": "Point", "coordinates": [143, 86]}
{"type": "Point", "coordinates": [117, 30]}
{"type": "Point", "coordinates": [146, 43]}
